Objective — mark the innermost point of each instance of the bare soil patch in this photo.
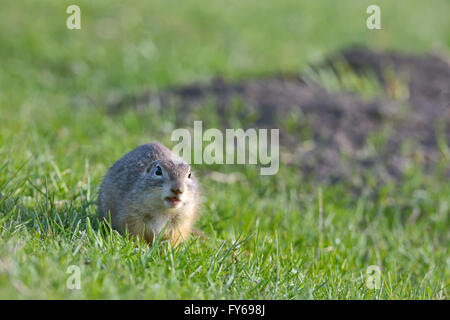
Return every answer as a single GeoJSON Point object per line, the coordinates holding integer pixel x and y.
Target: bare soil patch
{"type": "Point", "coordinates": [332, 136]}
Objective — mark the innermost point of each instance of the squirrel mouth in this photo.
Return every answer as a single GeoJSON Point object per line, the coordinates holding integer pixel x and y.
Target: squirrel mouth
{"type": "Point", "coordinates": [173, 201]}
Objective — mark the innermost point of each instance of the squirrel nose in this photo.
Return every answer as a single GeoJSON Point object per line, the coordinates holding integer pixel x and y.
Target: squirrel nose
{"type": "Point", "coordinates": [177, 190]}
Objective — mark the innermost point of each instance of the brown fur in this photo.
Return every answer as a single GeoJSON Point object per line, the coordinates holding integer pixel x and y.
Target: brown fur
{"type": "Point", "coordinates": [133, 195]}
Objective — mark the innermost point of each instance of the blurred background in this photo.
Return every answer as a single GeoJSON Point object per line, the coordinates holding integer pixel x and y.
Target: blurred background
{"type": "Point", "coordinates": [125, 49]}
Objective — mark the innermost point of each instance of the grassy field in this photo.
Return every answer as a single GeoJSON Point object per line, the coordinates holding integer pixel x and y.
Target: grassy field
{"type": "Point", "coordinates": [272, 237]}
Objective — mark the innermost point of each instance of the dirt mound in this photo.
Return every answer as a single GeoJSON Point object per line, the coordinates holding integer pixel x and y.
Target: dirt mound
{"type": "Point", "coordinates": [332, 135]}
{"type": "Point", "coordinates": [428, 76]}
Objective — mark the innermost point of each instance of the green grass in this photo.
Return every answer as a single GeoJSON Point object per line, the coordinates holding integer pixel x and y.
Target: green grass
{"type": "Point", "coordinates": [266, 237]}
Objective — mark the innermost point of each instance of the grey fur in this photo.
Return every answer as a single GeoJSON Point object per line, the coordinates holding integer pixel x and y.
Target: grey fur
{"type": "Point", "coordinates": [134, 197]}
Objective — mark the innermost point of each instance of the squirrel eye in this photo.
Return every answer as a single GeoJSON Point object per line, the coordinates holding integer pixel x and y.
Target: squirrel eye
{"type": "Point", "coordinates": [158, 171]}
{"type": "Point", "coordinates": [189, 175]}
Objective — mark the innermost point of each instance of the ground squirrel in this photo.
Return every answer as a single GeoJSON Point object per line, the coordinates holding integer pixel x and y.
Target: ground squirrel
{"type": "Point", "coordinates": [148, 189]}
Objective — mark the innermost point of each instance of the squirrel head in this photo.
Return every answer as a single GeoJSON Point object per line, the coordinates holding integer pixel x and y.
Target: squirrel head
{"type": "Point", "coordinates": [171, 184]}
